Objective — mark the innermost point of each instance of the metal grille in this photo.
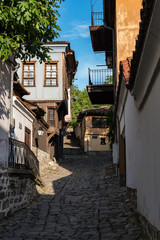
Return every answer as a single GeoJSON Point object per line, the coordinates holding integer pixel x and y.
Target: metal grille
{"type": "Point", "coordinates": [97, 18]}
{"type": "Point", "coordinates": [100, 76]}
{"type": "Point", "coordinates": [21, 157]}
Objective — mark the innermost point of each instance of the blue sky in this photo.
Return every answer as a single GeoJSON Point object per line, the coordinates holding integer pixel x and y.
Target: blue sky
{"type": "Point", "coordinates": [74, 22]}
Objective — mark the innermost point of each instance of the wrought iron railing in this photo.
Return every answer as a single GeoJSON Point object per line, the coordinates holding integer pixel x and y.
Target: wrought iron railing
{"type": "Point", "coordinates": [100, 76]}
{"type": "Point", "coordinates": [96, 18]}
{"type": "Point", "coordinates": [21, 157]}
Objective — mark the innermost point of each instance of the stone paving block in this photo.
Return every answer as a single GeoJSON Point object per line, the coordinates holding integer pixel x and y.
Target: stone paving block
{"type": "Point", "coordinates": [88, 204]}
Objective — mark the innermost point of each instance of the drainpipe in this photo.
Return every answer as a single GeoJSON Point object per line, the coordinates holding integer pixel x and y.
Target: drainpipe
{"type": "Point", "coordinates": [11, 101]}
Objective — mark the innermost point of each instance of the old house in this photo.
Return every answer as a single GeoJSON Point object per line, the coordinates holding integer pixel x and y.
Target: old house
{"type": "Point", "coordinates": [49, 86]}
{"type": "Point", "coordinates": [92, 130]}
{"type": "Point", "coordinates": [29, 125]}
{"type": "Point", "coordinates": [138, 118]}
{"type": "Point", "coordinates": [136, 49]}
{"type": "Point", "coordinates": [18, 164]}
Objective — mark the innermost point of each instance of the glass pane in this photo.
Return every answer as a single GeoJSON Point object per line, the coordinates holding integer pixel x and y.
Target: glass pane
{"type": "Point", "coordinates": [54, 67]}
{"type": "Point", "coordinates": [48, 74]}
{"type": "Point", "coordinates": [54, 74]}
{"type": "Point", "coordinates": [48, 82]}
{"type": "Point", "coordinates": [31, 83]}
{"type": "Point", "coordinates": [31, 67]}
{"type": "Point", "coordinates": [25, 82]}
{"type": "Point", "coordinates": [25, 67]}
{"type": "Point", "coordinates": [51, 122]}
{"type": "Point", "coordinates": [53, 82]}
{"type": "Point", "coordinates": [48, 67]}
{"type": "Point", "coordinates": [31, 75]}
{"type": "Point", "coordinates": [25, 74]}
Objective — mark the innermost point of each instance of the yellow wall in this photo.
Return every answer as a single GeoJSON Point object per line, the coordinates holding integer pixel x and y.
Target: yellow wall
{"type": "Point", "coordinates": [91, 144]}
{"type": "Point", "coordinates": [88, 142]}
{"type": "Point", "coordinates": [127, 27]}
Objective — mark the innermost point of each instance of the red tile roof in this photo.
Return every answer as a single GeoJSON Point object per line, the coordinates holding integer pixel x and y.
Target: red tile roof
{"type": "Point", "coordinates": [125, 68]}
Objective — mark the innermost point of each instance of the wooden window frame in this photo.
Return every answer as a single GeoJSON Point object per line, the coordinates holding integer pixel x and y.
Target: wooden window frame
{"type": "Point", "coordinates": [57, 77]}
{"type": "Point", "coordinates": [22, 73]}
{"type": "Point", "coordinates": [48, 116]}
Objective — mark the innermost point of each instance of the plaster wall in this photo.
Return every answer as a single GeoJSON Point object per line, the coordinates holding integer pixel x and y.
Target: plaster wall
{"type": "Point", "coordinates": [5, 81]}
{"type": "Point", "coordinates": [94, 144]}
{"type": "Point", "coordinates": [142, 131]}
{"type": "Point", "coordinates": [127, 27]}
{"type": "Point", "coordinates": [92, 136]}
{"type": "Point", "coordinates": [23, 118]}
{"type": "Point", "coordinates": [39, 92]}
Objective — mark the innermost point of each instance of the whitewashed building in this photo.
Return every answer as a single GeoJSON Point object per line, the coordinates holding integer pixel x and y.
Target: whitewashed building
{"type": "Point", "coordinates": [139, 120]}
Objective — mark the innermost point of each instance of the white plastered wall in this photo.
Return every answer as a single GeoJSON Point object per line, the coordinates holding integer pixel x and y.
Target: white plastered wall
{"type": "Point", "coordinates": [23, 118]}
{"type": "Point", "coordinates": [142, 131]}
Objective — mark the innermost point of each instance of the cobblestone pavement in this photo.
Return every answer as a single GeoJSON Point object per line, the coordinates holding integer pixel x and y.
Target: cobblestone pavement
{"type": "Point", "coordinates": [86, 204]}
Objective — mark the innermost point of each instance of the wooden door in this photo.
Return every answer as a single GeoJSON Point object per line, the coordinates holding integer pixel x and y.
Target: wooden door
{"type": "Point", "coordinates": [28, 137]}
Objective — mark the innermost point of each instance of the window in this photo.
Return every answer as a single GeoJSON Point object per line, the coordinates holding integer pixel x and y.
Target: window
{"type": "Point", "coordinates": [51, 78]}
{"type": "Point", "coordinates": [103, 141]}
{"type": "Point", "coordinates": [94, 136]}
{"type": "Point", "coordinates": [51, 117]}
{"type": "Point", "coordinates": [99, 122]}
{"type": "Point", "coordinates": [28, 74]}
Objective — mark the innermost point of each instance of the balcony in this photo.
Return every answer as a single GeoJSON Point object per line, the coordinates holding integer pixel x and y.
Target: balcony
{"type": "Point", "coordinates": [22, 159]}
{"type": "Point", "coordinates": [100, 88]}
{"type": "Point", "coordinates": [101, 37]}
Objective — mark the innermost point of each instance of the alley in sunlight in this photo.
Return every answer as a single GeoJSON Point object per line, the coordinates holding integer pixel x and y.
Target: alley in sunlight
{"type": "Point", "coordinates": [85, 203]}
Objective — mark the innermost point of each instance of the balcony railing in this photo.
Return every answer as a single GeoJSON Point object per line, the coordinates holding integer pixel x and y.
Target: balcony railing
{"type": "Point", "coordinates": [97, 18]}
{"type": "Point", "coordinates": [21, 157]}
{"type": "Point", "coordinates": [100, 76]}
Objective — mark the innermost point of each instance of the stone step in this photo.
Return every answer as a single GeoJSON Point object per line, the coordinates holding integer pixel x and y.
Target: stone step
{"type": "Point", "coordinates": [73, 151]}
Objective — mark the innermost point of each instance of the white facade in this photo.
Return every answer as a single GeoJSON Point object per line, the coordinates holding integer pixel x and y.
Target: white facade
{"type": "Point", "coordinates": [139, 116]}
{"type": "Point", "coordinates": [5, 82]}
{"type": "Point", "coordinates": [23, 118]}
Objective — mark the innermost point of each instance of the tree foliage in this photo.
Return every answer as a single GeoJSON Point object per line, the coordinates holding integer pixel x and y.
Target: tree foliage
{"type": "Point", "coordinates": [28, 22]}
{"type": "Point", "coordinates": [80, 100]}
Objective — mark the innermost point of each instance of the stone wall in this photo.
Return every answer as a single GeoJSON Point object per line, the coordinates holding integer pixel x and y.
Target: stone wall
{"type": "Point", "coordinates": [150, 232]}
{"type": "Point", "coordinates": [44, 160]}
{"type": "Point", "coordinates": [16, 192]}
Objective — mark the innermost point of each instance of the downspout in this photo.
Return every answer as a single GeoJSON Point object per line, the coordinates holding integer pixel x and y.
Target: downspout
{"type": "Point", "coordinates": [11, 101]}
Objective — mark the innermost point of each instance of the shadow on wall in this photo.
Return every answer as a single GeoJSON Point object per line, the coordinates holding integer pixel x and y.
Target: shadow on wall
{"type": "Point", "coordinates": [5, 79]}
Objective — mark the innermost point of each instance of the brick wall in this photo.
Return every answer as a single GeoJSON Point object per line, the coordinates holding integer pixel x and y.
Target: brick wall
{"type": "Point", "coordinates": [15, 192]}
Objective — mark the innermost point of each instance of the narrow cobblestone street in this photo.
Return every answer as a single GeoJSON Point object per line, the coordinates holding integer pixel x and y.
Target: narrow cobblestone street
{"type": "Point", "coordinates": [86, 204]}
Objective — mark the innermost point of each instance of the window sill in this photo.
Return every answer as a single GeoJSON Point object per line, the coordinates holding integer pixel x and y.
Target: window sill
{"type": "Point", "coordinates": [50, 86]}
